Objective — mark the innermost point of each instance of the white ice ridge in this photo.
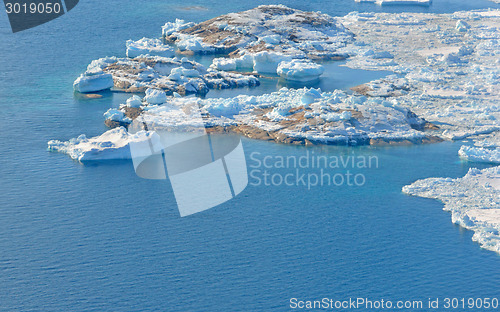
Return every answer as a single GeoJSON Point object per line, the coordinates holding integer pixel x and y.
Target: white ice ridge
{"type": "Point", "coordinates": [474, 202]}
{"type": "Point", "coordinates": [147, 46]}
{"type": "Point", "coordinates": [113, 144]}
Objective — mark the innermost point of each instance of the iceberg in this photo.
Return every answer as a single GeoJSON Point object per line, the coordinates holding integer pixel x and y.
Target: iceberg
{"type": "Point", "coordinates": [179, 24]}
{"type": "Point", "coordinates": [155, 96]}
{"type": "Point", "coordinates": [116, 115]}
{"type": "Point", "coordinates": [473, 200]}
{"type": "Point", "coordinates": [93, 81]}
{"type": "Point", "coordinates": [300, 70]}
{"type": "Point", "coordinates": [267, 62]}
{"type": "Point", "coordinates": [148, 46]}
{"type": "Point", "coordinates": [113, 144]}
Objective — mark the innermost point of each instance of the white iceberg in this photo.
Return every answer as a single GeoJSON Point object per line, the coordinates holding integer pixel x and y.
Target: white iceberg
{"type": "Point", "coordinates": [134, 101]}
{"type": "Point", "coordinates": [300, 70]}
{"type": "Point", "coordinates": [93, 80]}
{"type": "Point", "coordinates": [116, 115]}
{"type": "Point", "coordinates": [267, 62]}
{"type": "Point", "coordinates": [179, 24]}
{"type": "Point", "coordinates": [148, 46]}
{"type": "Point", "coordinates": [113, 144]}
{"type": "Point", "coordinates": [155, 96]}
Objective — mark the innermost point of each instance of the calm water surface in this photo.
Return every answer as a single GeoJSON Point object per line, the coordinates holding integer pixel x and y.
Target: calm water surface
{"type": "Point", "coordinates": [97, 238]}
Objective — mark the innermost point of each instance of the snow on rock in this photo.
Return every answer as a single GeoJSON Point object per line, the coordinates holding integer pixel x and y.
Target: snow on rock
{"type": "Point", "coordinates": [474, 202]}
{"type": "Point", "coordinates": [147, 46]}
{"type": "Point", "coordinates": [93, 80]}
{"type": "Point", "coordinates": [182, 76]}
{"type": "Point", "coordinates": [155, 96]}
{"type": "Point", "coordinates": [270, 28]}
{"type": "Point", "coordinates": [303, 116]}
{"type": "Point", "coordinates": [300, 70]}
{"type": "Point", "coordinates": [113, 144]}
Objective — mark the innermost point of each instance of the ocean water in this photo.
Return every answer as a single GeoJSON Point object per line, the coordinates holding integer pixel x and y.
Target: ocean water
{"type": "Point", "coordinates": [97, 238]}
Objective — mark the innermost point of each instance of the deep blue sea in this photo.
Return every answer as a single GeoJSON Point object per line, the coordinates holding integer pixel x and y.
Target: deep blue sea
{"type": "Point", "coordinates": [95, 237]}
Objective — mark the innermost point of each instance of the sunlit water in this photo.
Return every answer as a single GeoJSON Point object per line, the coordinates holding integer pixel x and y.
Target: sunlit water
{"type": "Point", "coordinates": [97, 238]}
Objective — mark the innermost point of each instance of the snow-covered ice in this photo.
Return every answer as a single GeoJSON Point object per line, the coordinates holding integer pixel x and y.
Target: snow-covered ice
{"type": "Point", "coordinates": [155, 96]}
{"type": "Point", "coordinates": [474, 202]}
{"type": "Point", "coordinates": [270, 28]}
{"type": "Point", "coordinates": [480, 154]}
{"type": "Point", "coordinates": [169, 74]}
{"type": "Point", "coordinates": [113, 144]}
{"type": "Point", "coordinates": [303, 116]}
{"type": "Point", "coordinates": [146, 46]}
{"type": "Point", "coordinates": [93, 80]}
{"type": "Point", "coordinates": [300, 70]}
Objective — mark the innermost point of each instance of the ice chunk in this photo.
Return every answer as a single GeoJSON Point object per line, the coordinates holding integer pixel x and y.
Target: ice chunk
{"type": "Point", "coordinates": [267, 62]}
{"type": "Point", "coordinates": [480, 154]}
{"type": "Point", "coordinates": [310, 96]}
{"type": "Point", "coordinates": [116, 115]}
{"type": "Point", "coordinates": [155, 96]}
{"type": "Point", "coordinates": [300, 70]}
{"type": "Point", "coordinates": [93, 80]}
{"type": "Point", "coordinates": [179, 24]}
{"type": "Point", "coordinates": [134, 101]}
{"type": "Point", "coordinates": [462, 26]}
{"type": "Point", "coordinates": [148, 46]}
{"type": "Point", "coordinates": [113, 144]}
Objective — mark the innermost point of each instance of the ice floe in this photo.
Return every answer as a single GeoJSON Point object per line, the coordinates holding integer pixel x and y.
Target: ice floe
{"type": "Point", "coordinates": [474, 202]}
{"type": "Point", "coordinates": [147, 46]}
{"type": "Point", "coordinates": [113, 144]}
{"type": "Point", "coordinates": [300, 70]}
{"type": "Point", "coordinates": [93, 80]}
{"type": "Point", "coordinates": [446, 75]}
